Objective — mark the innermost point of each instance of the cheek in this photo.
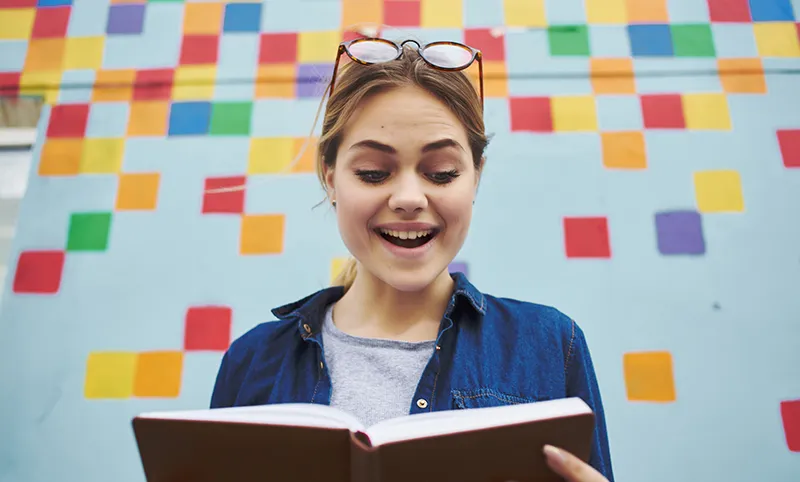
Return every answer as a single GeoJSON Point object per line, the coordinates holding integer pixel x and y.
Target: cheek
{"type": "Point", "coordinates": [455, 209]}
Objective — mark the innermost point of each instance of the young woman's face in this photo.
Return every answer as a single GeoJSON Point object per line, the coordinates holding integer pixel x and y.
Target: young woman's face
{"type": "Point", "coordinates": [404, 184]}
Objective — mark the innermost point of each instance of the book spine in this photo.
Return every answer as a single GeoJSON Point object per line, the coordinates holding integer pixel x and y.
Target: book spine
{"type": "Point", "coordinates": [364, 459]}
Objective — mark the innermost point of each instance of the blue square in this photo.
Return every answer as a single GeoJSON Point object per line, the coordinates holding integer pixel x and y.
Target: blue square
{"type": "Point", "coordinates": [650, 40]}
{"type": "Point", "coordinates": [12, 55]}
{"type": "Point", "coordinates": [483, 13]}
{"type": "Point", "coordinates": [53, 3]}
{"type": "Point", "coordinates": [772, 11]}
{"type": "Point", "coordinates": [189, 118]}
{"type": "Point", "coordinates": [108, 119]}
{"type": "Point", "coordinates": [619, 113]}
{"type": "Point", "coordinates": [77, 86]}
{"type": "Point", "coordinates": [609, 41]}
{"type": "Point", "coordinates": [242, 17]}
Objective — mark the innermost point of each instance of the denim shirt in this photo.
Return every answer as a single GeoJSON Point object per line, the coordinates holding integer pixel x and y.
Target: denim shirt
{"type": "Point", "coordinates": [490, 351]}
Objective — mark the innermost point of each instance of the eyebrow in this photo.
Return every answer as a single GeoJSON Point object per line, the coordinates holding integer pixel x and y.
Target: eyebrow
{"type": "Point", "coordinates": [431, 146]}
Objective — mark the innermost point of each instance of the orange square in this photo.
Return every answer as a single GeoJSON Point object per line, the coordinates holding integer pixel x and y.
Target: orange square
{"type": "Point", "coordinates": [158, 374]}
{"type": "Point", "coordinates": [495, 78]}
{"type": "Point", "coordinates": [202, 18]}
{"type": "Point", "coordinates": [624, 150]}
{"type": "Point", "coordinates": [138, 191]}
{"type": "Point", "coordinates": [742, 76]}
{"type": "Point", "coordinates": [61, 157]}
{"type": "Point", "coordinates": [113, 85]}
{"type": "Point", "coordinates": [649, 376]}
{"type": "Point", "coordinates": [148, 118]}
{"type": "Point", "coordinates": [45, 54]}
{"type": "Point", "coordinates": [357, 13]}
{"type": "Point", "coordinates": [613, 76]}
{"type": "Point", "coordinates": [308, 160]}
{"type": "Point", "coordinates": [262, 234]}
{"type": "Point", "coordinates": [276, 81]}
{"type": "Point", "coordinates": [647, 11]}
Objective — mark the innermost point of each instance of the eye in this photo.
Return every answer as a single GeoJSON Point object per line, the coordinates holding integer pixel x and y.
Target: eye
{"type": "Point", "coordinates": [443, 177]}
{"type": "Point", "coordinates": [371, 176]}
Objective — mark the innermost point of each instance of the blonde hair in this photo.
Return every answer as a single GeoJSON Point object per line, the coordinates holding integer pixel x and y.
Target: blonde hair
{"type": "Point", "coordinates": [356, 83]}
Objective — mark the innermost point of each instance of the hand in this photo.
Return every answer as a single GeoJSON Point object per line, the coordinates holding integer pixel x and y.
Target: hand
{"type": "Point", "coordinates": [570, 467]}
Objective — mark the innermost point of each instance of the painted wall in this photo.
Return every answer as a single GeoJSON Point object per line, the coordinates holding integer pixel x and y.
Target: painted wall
{"type": "Point", "coordinates": [644, 178]}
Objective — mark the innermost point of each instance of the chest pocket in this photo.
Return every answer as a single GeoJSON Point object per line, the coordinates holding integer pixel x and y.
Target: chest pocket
{"type": "Point", "coordinates": [487, 397]}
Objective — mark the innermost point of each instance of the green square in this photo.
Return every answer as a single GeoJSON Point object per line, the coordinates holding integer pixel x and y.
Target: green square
{"type": "Point", "coordinates": [693, 40]}
{"type": "Point", "coordinates": [231, 118]}
{"type": "Point", "coordinates": [568, 40]}
{"type": "Point", "coordinates": [89, 231]}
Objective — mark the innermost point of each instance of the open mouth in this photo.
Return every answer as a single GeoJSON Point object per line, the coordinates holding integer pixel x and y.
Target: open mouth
{"type": "Point", "coordinates": [408, 239]}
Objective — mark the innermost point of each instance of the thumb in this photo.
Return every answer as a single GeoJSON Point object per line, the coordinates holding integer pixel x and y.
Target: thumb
{"type": "Point", "coordinates": [571, 468]}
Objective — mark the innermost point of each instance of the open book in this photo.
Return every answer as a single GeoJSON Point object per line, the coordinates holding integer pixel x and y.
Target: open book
{"type": "Point", "coordinates": [310, 442]}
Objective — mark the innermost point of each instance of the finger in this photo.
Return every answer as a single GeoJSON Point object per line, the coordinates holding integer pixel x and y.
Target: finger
{"type": "Point", "coordinates": [570, 467]}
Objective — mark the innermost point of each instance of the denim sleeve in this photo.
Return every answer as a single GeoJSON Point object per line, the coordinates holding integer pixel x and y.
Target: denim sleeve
{"type": "Point", "coordinates": [582, 382]}
{"type": "Point", "coordinates": [222, 396]}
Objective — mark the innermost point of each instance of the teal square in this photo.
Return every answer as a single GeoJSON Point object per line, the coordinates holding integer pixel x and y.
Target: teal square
{"type": "Point", "coordinates": [693, 40]}
{"type": "Point", "coordinates": [231, 118]}
{"type": "Point", "coordinates": [568, 40]}
{"type": "Point", "coordinates": [89, 231]}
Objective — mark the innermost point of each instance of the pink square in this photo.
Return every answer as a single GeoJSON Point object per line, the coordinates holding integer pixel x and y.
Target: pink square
{"type": "Point", "coordinates": [68, 120]}
{"type": "Point", "coordinates": [663, 111]}
{"type": "Point", "coordinates": [207, 328]}
{"type": "Point", "coordinates": [493, 47]}
{"type": "Point", "coordinates": [228, 201]}
{"type": "Point", "coordinates": [586, 237]}
{"type": "Point", "coordinates": [402, 13]}
{"type": "Point", "coordinates": [278, 48]}
{"type": "Point", "coordinates": [790, 414]}
{"type": "Point", "coordinates": [789, 142]}
{"type": "Point", "coordinates": [532, 114]}
{"type": "Point", "coordinates": [39, 272]}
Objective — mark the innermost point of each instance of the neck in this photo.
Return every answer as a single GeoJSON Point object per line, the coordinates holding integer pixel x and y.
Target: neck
{"type": "Point", "coordinates": [400, 315]}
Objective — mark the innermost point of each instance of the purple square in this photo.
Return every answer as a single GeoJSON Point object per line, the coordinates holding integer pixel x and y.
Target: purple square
{"type": "Point", "coordinates": [313, 79]}
{"type": "Point", "coordinates": [126, 19]}
{"type": "Point", "coordinates": [458, 267]}
{"type": "Point", "coordinates": [680, 232]}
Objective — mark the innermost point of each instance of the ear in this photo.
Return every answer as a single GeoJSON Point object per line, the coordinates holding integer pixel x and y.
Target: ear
{"type": "Point", "coordinates": [329, 187]}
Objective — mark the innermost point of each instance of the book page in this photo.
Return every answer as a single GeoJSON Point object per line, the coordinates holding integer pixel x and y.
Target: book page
{"type": "Point", "coordinates": [454, 421]}
{"type": "Point", "coordinates": [294, 414]}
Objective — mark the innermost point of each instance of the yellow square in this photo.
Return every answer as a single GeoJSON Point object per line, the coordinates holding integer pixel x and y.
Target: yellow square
{"type": "Point", "coordinates": [41, 83]}
{"type": "Point", "coordinates": [649, 376]}
{"type": "Point", "coordinates": [138, 191]}
{"type": "Point", "coordinates": [270, 155]}
{"type": "Point", "coordinates": [777, 39]}
{"type": "Point", "coordinates": [262, 234]}
{"type": "Point", "coordinates": [202, 18]}
{"type": "Point", "coordinates": [102, 156]}
{"type": "Point", "coordinates": [276, 81]}
{"type": "Point", "coordinates": [356, 13]}
{"type": "Point", "coordinates": [194, 82]}
{"type": "Point", "coordinates": [148, 118]}
{"type": "Point", "coordinates": [336, 267]}
{"type": "Point", "coordinates": [706, 111]}
{"type": "Point", "coordinates": [718, 191]}
{"type": "Point", "coordinates": [109, 375]}
{"type": "Point", "coordinates": [45, 54]}
{"type": "Point", "coordinates": [442, 13]}
{"type": "Point", "coordinates": [61, 157]}
{"type": "Point", "coordinates": [158, 374]}
{"type": "Point", "coordinates": [84, 53]}
{"type": "Point", "coordinates": [574, 113]}
{"type": "Point", "coordinates": [16, 23]}
{"type": "Point", "coordinates": [317, 47]}
{"type": "Point", "coordinates": [609, 12]}
{"type": "Point", "coordinates": [113, 85]}
{"type": "Point", "coordinates": [525, 13]}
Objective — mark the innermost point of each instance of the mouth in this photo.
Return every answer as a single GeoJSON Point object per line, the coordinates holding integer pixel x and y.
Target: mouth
{"type": "Point", "coordinates": [408, 239]}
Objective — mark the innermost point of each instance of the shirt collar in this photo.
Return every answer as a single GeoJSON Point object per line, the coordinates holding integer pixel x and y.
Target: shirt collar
{"type": "Point", "coordinates": [310, 311]}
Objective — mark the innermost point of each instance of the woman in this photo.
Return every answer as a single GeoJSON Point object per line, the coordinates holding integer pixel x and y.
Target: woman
{"type": "Point", "coordinates": [400, 157]}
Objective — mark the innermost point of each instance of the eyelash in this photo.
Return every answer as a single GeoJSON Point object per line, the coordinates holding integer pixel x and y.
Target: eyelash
{"type": "Point", "coordinates": [441, 178]}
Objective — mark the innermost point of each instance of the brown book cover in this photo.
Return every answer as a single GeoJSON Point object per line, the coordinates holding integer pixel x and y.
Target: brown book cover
{"type": "Point", "coordinates": [497, 444]}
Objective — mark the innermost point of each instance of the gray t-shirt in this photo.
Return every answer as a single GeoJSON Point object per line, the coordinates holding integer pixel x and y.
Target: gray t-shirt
{"type": "Point", "coordinates": [372, 379]}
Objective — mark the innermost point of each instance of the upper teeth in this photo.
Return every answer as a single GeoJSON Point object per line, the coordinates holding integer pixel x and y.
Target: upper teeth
{"type": "Point", "coordinates": [407, 234]}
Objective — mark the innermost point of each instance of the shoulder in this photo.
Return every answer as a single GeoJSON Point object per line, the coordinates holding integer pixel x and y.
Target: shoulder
{"type": "Point", "coordinates": [526, 317]}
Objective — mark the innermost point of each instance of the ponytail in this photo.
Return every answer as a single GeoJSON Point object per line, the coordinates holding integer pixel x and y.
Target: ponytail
{"type": "Point", "coordinates": [347, 275]}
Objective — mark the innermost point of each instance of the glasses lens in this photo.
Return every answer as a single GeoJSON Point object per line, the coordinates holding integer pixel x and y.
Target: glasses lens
{"type": "Point", "coordinates": [373, 51]}
{"type": "Point", "coordinates": [448, 56]}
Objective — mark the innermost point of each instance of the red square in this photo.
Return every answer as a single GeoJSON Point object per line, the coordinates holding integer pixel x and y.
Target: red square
{"type": "Point", "coordinates": [531, 114]}
{"type": "Point", "coordinates": [224, 201]}
{"type": "Point", "coordinates": [587, 237]}
{"type": "Point", "coordinates": [51, 22]}
{"type": "Point", "coordinates": [199, 49]}
{"type": "Point", "coordinates": [9, 84]}
{"type": "Point", "coordinates": [402, 13]}
{"type": "Point", "coordinates": [17, 3]}
{"type": "Point", "coordinates": [790, 414]}
{"type": "Point", "coordinates": [68, 120]}
{"type": "Point", "coordinates": [207, 328]}
{"type": "Point", "coordinates": [153, 84]}
{"type": "Point", "coordinates": [729, 10]}
{"type": "Point", "coordinates": [789, 142]}
{"type": "Point", "coordinates": [278, 48]}
{"type": "Point", "coordinates": [663, 111]}
{"type": "Point", "coordinates": [493, 47]}
{"type": "Point", "coordinates": [39, 272]}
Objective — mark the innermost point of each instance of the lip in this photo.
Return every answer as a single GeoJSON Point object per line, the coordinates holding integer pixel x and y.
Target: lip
{"type": "Point", "coordinates": [407, 226]}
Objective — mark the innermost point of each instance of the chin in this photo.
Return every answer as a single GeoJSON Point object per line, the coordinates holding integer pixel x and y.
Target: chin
{"type": "Point", "coordinates": [409, 281]}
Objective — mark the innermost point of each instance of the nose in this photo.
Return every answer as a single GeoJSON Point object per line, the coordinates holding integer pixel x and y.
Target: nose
{"type": "Point", "coordinates": [408, 195]}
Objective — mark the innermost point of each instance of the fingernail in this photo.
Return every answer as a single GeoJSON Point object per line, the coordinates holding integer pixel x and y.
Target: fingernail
{"type": "Point", "coordinates": [553, 454]}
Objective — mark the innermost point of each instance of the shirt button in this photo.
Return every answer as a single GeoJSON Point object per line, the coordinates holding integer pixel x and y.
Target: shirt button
{"type": "Point", "coordinates": [422, 403]}
{"type": "Point", "coordinates": [307, 328]}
